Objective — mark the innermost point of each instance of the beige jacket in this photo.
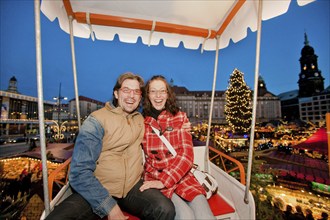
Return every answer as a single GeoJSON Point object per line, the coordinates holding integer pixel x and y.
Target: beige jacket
{"type": "Point", "coordinates": [120, 164]}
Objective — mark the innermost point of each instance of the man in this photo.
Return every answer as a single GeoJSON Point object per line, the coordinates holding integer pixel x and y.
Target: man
{"type": "Point", "coordinates": [107, 165]}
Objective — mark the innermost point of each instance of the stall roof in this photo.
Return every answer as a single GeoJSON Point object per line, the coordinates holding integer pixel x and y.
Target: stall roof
{"type": "Point", "coordinates": [317, 142]}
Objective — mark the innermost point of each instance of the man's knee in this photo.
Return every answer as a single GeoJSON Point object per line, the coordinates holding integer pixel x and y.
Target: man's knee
{"type": "Point", "coordinates": [165, 209]}
{"type": "Point", "coordinates": [73, 207]}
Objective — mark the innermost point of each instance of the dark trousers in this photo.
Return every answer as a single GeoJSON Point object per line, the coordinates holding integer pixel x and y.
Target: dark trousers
{"type": "Point", "coordinates": [150, 204]}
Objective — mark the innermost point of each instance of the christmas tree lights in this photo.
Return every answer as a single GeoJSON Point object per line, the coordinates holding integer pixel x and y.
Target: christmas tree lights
{"type": "Point", "coordinates": [238, 108]}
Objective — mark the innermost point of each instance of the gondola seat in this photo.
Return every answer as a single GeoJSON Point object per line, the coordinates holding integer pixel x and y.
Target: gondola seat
{"type": "Point", "coordinates": [217, 204]}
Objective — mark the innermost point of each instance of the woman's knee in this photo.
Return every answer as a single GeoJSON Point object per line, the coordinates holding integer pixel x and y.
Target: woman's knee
{"type": "Point", "coordinates": [201, 208]}
{"type": "Point", "coordinates": [182, 210]}
{"type": "Point", "coordinates": [186, 213]}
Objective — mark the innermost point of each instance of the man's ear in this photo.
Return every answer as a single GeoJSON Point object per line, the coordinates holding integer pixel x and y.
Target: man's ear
{"type": "Point", "coordinates": [116, 94]}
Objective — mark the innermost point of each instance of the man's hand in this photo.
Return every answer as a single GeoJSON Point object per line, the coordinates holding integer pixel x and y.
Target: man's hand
{"type": "Point", "coordinates": [152, 184]}
{"type": "Point", "coordinates": [116, 214]}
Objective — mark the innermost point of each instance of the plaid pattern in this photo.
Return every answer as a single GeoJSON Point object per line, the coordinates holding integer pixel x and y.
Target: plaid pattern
{"type": "Point", "coordinates": [173, 172]}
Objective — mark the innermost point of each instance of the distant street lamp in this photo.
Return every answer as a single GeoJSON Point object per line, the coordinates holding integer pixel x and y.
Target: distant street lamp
{"type": "Point", "coordinates": [59, 128]}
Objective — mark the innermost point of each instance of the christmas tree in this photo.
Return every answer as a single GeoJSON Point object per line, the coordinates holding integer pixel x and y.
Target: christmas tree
{"type": "Point", "coordinates": [238, 108]}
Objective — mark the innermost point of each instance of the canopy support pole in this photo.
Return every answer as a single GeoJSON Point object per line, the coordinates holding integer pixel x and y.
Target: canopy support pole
{"type": "Point", "coordinates": [206, 156]}
{"type": "Point", "coordinates": [254, 106]}
{"type": "Point", "coordinates": [74, 68]}
{"type": "Point", "coordinates": [327, 119]}
{"type": "Point", "coordinates": [41, 106]}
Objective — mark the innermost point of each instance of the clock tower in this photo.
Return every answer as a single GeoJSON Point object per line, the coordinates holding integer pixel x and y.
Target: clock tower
{"type": "Point", "coordinates": [262, 89]}
{"type": "Point", "coordinates": [310, 79]}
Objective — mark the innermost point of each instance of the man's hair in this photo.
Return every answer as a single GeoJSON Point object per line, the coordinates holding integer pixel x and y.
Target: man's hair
{"type": "Point", "coordinates": [121, 79]}
{"type": "Point", "coordinates": [170, 104]}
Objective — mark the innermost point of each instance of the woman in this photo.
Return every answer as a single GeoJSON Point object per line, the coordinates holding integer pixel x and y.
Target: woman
{"type": "Point", "coordinates": [164, 171]}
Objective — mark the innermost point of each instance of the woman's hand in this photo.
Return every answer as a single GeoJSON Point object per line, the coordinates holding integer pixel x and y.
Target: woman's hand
{"type": "Point", "coordinates": [152, 184]}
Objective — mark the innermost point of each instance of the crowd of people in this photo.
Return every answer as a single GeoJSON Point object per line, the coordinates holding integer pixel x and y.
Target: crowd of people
{"type": "Point", "coordinates": [298, 214]}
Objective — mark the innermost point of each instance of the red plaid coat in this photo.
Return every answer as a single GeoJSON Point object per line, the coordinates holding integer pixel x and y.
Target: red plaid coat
{"type": "Point", "coordinates": [160, 164]}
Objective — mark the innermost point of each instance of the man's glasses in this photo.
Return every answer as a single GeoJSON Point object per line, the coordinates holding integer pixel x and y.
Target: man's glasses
{"type": "Point", "coordinates": [128, 91]}
{"type": "Point", "coordinates": [155, 92]}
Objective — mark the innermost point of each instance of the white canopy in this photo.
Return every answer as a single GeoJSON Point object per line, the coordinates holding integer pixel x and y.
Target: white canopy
{"type": "Point", "coordinates": [203, 15]}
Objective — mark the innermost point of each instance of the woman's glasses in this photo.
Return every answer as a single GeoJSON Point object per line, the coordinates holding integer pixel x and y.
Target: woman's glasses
{"type": "Point", "coordinates": [155, 92]}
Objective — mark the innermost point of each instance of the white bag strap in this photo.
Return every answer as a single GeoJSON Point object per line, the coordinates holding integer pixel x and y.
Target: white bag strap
{"type": "Point", "coordinates": [165, 141]}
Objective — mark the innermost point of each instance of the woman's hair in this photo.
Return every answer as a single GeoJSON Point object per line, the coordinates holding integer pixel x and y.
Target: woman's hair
{"type": "Point", "coordinates": [121, 79]}
{"type": "Point", "coordinates": [170, 104]}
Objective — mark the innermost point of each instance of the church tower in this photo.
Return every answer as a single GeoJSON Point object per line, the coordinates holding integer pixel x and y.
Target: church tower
{"type": "Point", "coordinates": [262, 89]}
{"type": "Point", "coordinates": [12, 85]}
{"type": "Point", "coordinates": [310, 78]}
